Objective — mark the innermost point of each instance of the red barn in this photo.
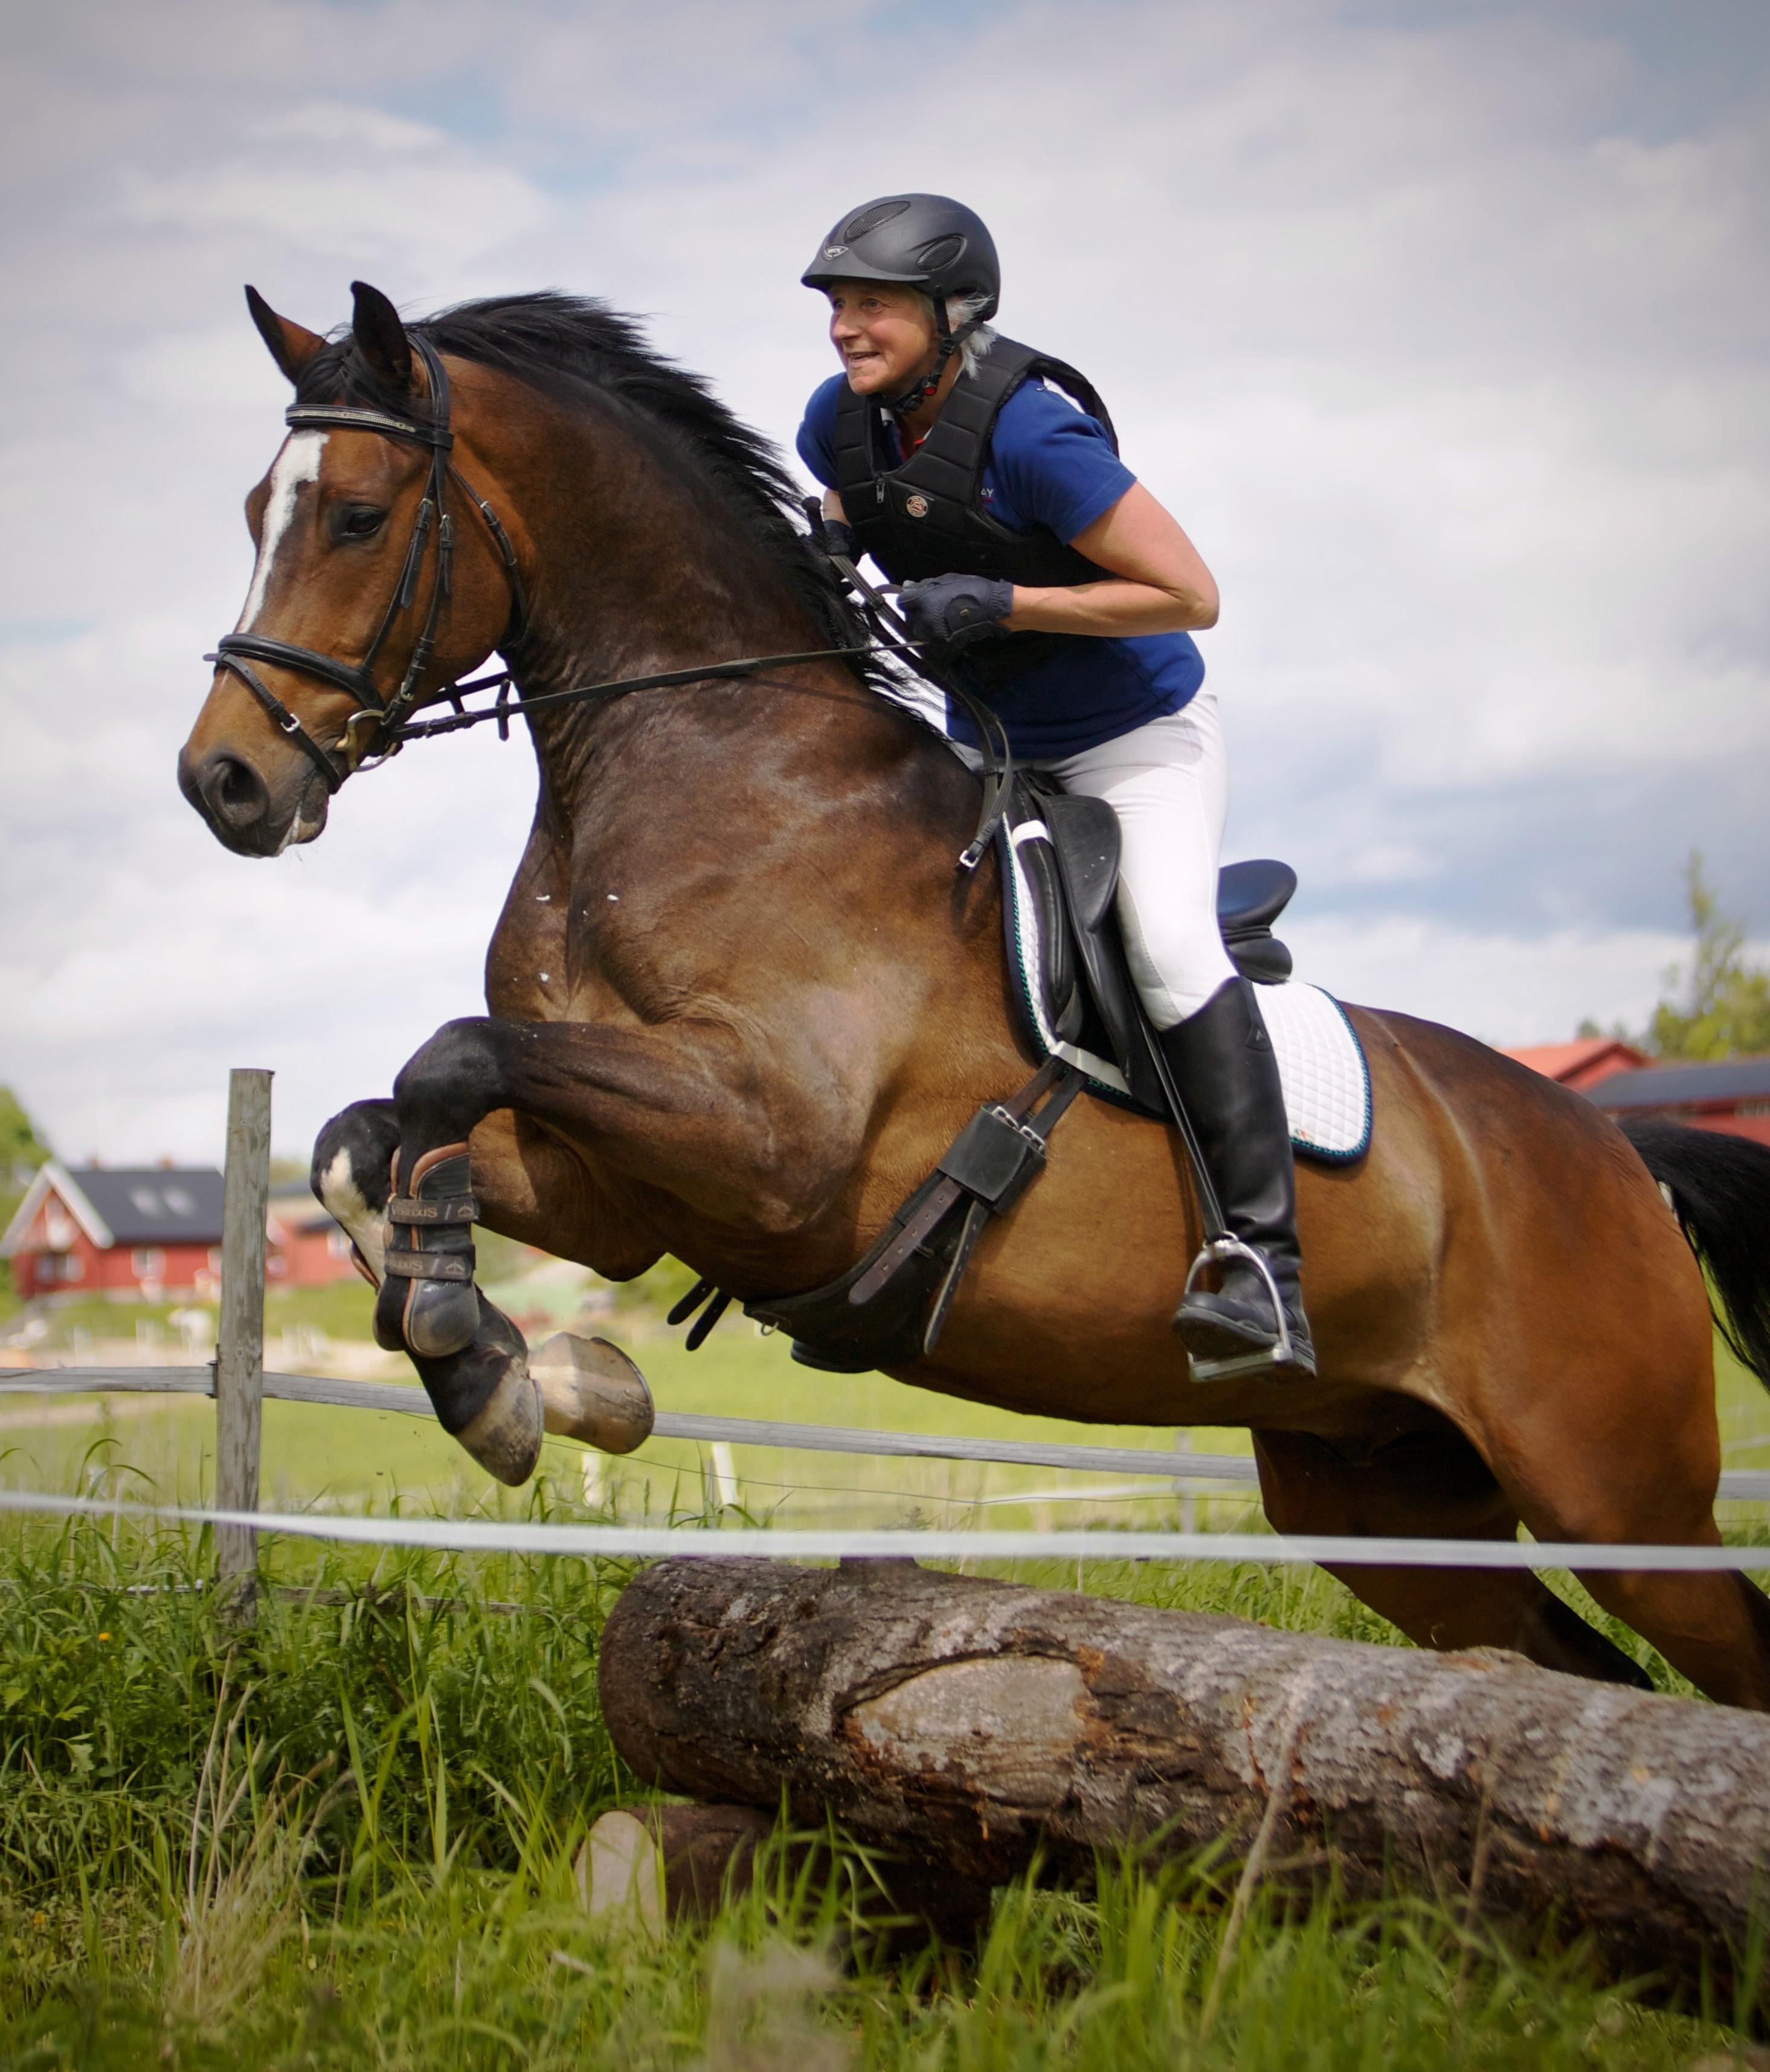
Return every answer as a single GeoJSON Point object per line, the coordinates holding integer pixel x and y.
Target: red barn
{"type": "Point", "coordinates": [154, 1230]}
{"type": "Point", "coordinates": [1582, 1063]}
{"type": "Point", "coordinates": [1732, 1094]}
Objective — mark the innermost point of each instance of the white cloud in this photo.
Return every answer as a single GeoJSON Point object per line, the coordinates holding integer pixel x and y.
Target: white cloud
{"type": "Point", "coordinates": [346, 183]}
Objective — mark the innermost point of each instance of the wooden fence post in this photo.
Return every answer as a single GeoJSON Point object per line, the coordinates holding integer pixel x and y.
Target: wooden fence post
{"type": "Point", "coordinates": [240, 1350]}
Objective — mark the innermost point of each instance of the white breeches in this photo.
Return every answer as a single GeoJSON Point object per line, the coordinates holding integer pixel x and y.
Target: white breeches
{"type": "Point", "coordinates": [1168, 782]}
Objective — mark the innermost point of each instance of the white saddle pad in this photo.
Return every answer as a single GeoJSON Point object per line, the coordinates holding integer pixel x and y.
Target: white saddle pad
{"type": "Point", "coordinates": [1321, 1065]}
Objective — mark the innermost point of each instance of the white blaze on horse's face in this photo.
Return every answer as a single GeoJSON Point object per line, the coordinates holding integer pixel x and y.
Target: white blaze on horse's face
{"type": "Point", "coordinates": [297, 464]}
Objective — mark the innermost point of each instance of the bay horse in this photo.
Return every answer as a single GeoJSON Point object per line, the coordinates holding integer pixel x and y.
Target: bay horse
{"type": "Point", "coordinates": [740, 1000]}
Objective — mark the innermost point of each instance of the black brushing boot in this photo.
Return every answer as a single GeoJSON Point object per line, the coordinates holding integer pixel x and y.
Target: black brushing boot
{"type": "Point", "coordinates": [1222, 1062]}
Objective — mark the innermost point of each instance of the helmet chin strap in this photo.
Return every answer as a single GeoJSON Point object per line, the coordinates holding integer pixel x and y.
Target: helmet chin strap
{"type": "Point", "coordinates": [919, 392]}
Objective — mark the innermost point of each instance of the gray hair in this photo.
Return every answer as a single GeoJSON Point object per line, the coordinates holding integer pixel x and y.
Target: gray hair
{"type": "Point", "coordinates": [960, 309]}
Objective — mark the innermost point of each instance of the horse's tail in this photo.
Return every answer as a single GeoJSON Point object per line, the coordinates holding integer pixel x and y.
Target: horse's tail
{"type": "Point", "coordinates": [1720, 1190]}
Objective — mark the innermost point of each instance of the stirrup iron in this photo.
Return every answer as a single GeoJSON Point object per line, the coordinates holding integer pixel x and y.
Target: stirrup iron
{"type": "Point", "coordinates": [1279, 1353]}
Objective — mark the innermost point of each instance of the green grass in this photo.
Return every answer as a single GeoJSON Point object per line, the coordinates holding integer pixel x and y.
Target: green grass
{"type": "Point", "coordinates": [344, 1837]}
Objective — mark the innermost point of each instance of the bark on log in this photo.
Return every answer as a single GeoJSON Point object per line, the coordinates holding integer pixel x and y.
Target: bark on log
{"type": "Point", "coordinates": [967, 1723]}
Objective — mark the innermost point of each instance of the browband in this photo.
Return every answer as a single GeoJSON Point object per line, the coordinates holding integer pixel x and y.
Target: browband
{"type": "Point", "coordinates": [299, 415]}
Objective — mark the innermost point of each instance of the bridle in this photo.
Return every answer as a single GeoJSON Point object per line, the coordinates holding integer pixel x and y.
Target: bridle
{"type": "Point", "coordinates": [387, 715]}
{"type": "Point", "coordinates": [390, 718]}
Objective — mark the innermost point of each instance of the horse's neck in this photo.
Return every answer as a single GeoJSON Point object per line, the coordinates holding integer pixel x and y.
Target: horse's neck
{"type": "Point", "coordinates": [634, 572]}
{"type": "Point", "coordinates": [638, 571]}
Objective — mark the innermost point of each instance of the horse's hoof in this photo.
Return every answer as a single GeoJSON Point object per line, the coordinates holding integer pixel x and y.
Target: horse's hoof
{"type": "Point", "coordinates": [591, 1392]}
{"type": "Point", "coordinates": [504, 1436]}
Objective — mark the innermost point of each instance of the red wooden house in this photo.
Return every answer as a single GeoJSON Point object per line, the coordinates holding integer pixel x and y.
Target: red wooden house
{"type": "Point", "coordinates": [154, 1230]}
{"type": "Point", "coordinates": [1732, 1094]}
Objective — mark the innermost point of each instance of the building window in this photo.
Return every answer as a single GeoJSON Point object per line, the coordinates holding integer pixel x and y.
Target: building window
{"type": "Point", "coordinates": [215, 1259]}
{"type": "Point", "coordinates": [70, 1267]}
{"type": "Point", "coordinates": [337, 1244]}
{"type": "Point", "coordinates": [148, 1264]}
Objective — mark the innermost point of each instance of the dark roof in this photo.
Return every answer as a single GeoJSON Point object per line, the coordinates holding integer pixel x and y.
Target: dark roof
{"type": "Point", "coordinates": [154, 1204]}
{"type": "Point", "coordinates": [1683, 1086]}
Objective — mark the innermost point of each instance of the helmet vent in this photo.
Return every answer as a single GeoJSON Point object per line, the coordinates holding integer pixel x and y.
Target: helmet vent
{"type": "Point", "coordinates": [941, 253]}
{"type": "Point", "coordinates": [870, 219]}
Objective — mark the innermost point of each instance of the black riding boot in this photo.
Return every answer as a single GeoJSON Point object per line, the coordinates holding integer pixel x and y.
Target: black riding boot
{"type": "Point", "coordinates": [1222, 1062]}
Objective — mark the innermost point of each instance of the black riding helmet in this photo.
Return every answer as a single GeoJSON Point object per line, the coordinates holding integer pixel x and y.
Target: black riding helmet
{"type": "Point", "coordinates": [917, 240]}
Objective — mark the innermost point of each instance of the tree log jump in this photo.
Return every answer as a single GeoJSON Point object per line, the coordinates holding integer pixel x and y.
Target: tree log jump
{"type": "Point", "coordinates": [971, 1724]}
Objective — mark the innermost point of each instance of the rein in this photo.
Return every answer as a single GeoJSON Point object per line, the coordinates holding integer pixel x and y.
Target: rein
{"type": "Point", "coordinates": [390, 717]}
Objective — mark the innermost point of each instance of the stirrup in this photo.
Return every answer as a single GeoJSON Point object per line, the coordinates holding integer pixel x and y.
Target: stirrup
{"type": "Point", "coordinates": [1280, 1353]}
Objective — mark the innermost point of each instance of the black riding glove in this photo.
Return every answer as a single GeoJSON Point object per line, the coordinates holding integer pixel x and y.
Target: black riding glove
{"type": "Point", "coordinates": [839, 539]}
{"type": "Point", "coordinates": [956, 611]}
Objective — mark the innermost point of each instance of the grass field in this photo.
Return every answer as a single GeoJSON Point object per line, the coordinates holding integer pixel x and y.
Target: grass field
{"type": "Point", "coordinates": [345, 1836]}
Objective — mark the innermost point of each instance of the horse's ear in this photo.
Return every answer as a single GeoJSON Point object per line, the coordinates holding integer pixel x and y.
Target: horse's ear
{"type": "Point", "coordinates": [291, 346]}
{"type": "Point", "coordinates": [381, 337]}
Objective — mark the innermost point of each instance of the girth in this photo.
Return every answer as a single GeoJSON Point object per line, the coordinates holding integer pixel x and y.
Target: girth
{"type": "Point", "coordinates": [891, 1306]}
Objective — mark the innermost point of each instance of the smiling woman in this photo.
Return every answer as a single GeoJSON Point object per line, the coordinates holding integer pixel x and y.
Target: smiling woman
{"type": "Point", "coordinates": [1053, 583]}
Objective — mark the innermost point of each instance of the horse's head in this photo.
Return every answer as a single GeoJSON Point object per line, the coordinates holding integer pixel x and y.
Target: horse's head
{"type": "Point", "coordinates": [362, 603]}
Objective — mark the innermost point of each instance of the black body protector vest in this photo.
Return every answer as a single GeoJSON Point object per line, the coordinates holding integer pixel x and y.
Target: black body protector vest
{"type": "Point", "coordinates": [928, 518]}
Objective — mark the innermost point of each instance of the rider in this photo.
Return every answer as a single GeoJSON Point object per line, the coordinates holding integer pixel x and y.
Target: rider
{"type": "Point", "coordinates": [1058, 588]}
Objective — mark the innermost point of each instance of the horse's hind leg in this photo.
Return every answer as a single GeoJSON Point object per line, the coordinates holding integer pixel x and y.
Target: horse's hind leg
{"type": "Point", "coordinates": [1433, 1484]}
{"type": "Point", "coordinates": [1656, 1488]}
{"type": "Point", "coordinates": [481, 1393]}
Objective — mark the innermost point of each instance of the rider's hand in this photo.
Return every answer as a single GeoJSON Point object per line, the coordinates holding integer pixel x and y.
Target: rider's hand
{"type": "Point", "coordinates": [839, 539]}
{"type": "Point", "coordinates": [956, 611]}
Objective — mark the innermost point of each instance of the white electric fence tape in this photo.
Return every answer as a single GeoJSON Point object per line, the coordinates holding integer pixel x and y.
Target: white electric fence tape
{"type": "Point", "coordinates": [628, 1542]}
{"type": "Point", "coordinates": [1748, 1484]}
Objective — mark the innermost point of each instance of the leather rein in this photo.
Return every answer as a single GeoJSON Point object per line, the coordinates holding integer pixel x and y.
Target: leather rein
{"type": "Point", "coordinates": [391, 724]}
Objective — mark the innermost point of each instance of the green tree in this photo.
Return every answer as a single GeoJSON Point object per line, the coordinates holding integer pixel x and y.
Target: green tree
{"type": "Point", "coordinates": [1718, 1006]}
{"type": "Point", "coordinates": [22, 1152]}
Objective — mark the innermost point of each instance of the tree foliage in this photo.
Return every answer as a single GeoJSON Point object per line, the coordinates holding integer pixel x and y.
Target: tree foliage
{"type": "Point", "coordinates": [1718, 1006]}
{"type": "Point", "coordinates": [22, 1152]}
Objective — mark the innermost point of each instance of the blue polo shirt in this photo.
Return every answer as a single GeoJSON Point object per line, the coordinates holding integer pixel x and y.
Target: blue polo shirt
{"type": "Point", "coordinates": [1049, 464]}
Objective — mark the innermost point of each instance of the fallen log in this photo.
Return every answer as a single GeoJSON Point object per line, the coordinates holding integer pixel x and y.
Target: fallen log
{"type": "Point", "coordinates": [969, 1725]}
{"type": "Point", "coordinates": [682, 1863]}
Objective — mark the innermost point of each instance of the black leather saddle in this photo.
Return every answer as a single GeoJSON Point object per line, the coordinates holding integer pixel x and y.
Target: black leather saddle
{"type": "Point", "coordinates": [1067, 848]}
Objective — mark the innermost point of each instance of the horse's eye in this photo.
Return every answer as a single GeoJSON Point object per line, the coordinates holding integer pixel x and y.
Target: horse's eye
{"type": "Point", "coordinates": [358, 521]}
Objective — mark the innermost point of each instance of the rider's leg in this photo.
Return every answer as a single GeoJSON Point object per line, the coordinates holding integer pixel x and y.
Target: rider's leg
{"type": "Point", "coordinates": [1168, 783]}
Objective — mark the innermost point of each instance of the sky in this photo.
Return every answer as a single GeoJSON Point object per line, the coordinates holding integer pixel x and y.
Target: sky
{"type": "Point", "coordinates": [1441, 327]}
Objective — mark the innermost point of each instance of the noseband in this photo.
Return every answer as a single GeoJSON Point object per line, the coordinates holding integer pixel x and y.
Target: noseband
{"type": "Point", "coordinates": [386, 715]}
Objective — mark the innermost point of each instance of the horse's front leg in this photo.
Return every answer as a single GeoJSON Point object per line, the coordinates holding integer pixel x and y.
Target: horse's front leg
{"type": "Point", "coordinates": [684, 1109]}
{"type": "Point", "coordinates": [481, 1387]}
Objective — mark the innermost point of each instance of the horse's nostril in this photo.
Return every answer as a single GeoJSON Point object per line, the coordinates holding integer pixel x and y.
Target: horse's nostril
{"type": "Point", "coordinates": [234, 792]}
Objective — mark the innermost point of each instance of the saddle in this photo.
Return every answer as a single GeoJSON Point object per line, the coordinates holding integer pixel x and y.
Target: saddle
{"type": "Point", "coordinates": [1059, 858]}
{"type": "Point", "coordinates": [1059, 855]}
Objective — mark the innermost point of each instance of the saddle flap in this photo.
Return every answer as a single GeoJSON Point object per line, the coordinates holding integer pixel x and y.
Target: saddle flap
{"type": "Point", "coordinates": [1085, 834]}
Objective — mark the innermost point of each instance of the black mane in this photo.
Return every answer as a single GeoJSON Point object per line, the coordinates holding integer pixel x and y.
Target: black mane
{"type": "Point", "coordinates": [563, 344]}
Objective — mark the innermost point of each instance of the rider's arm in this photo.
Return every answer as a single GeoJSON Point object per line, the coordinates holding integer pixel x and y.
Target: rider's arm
{"type": "Point", "coordinates": [1162, 585]}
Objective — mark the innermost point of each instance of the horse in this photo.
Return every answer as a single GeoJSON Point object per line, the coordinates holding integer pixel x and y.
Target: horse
{"type": "Point", "coordinates": [741, 997]}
